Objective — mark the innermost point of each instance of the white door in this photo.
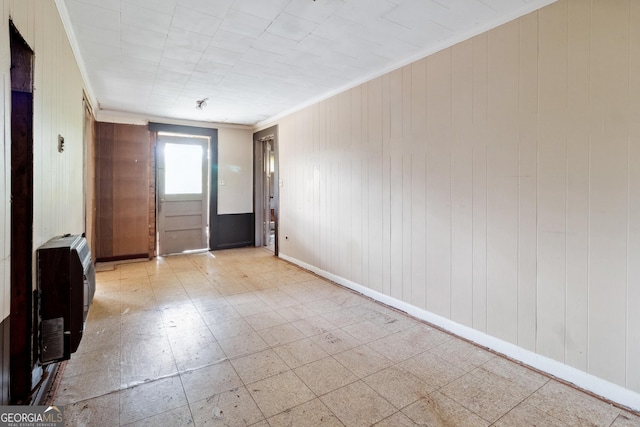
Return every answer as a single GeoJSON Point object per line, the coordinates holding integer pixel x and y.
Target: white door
{"type": "Point", "coordinates": [183, 193]}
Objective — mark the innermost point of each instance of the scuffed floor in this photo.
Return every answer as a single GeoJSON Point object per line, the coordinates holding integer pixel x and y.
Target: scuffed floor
{"type": "Point", "coordinates": [239, 338]}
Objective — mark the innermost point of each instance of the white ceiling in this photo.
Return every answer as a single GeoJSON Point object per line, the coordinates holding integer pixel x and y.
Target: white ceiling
{"type": "Point", "coordinates": [256, 59]}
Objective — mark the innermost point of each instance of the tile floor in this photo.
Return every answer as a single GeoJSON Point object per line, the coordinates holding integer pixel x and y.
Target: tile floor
{"type": "Point", "coordinates": [239, 338]}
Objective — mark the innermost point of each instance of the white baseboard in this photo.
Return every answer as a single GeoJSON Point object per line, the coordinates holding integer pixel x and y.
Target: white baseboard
{"type": "Point", "coordinates": [581, 379]}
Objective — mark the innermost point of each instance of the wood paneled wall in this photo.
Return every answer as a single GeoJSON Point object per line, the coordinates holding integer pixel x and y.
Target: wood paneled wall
{"type": "Point", "coordinates": [122, 191]}
{"type": "Point", "coordinates": [58, 204]}
{"type": "Point", "coordinates": [494, 183]}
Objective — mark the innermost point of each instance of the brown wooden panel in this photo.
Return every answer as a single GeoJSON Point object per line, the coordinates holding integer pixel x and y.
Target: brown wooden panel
{"type": "Point", "coordinates": [21, 244]}
{"type": "Point", "coordinates": [104, 190]}
{"type": "Point", "coordinates": [131, 189]}
{"type": "Point", "coordinates": [122, 174]}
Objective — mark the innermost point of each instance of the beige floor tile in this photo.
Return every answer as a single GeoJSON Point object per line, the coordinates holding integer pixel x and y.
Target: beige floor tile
{"type": "Point", "coordinates": [135, 326]}
{"type": "Point", "coordinates": [626, 419]}
{"type": "Point", "coordinates": [190, 357]}
{"type": "Point", "coordinates": [88, 385]}
{"type": "Point", "coordinates": [258, 366]}
{"type": "Point", "coordinates": [362, 361]}
{"type": "Point", "coordinates": [325, 306]}
{"type": "Point", "coordinates": [571, 406]}
{"type": "Point", "coordinates": [314, 325]}
{"type": "Point", "coordinates": [244, 344]}
{"type": "Point", "coordinates": [391, 320]}
{"type": "Point", "coordinates": [217, 314]}
{"type": "Point", "coordinates": [265, 320]}
{"type": "Point", "coordinates": [281, 302]}
{"type": "Point", "coordinates": [179, 417]}
{"type": "Point", "coordinates": [146, 400]}
{"type": "Point", "coordinates": [336, 341]}
{"type": "Point", "coordinates": [93, 361]}
{"type": "Point", "coordinates": [462, 354]}
{"type": "Point", "coordinates": [234, 408]}
{"type": "Point", "coordinates": [525, 415]}
{"type": "Point", "coordinates": [346, 298]}
{"type": "Point", "coordinates": [343, 317]}
{"type": "Point", "coordinates": [325, 375]}
{"type": "Point", "coordinates": [366, 331]}
{"type": "Point", "coordinates": [398, 386]}
{"type": "Point", "coordinates": [484, 394]}
{"type": "Point", "coordinates": [208, 381]}
{"type": "Point", "coordinates": [432, 369]}
{"type": "Point", "coordinates": [230, 328]}
{"type": "Point", "coordinates": [251, 308]}
{"type": "Point", "coordinates": [296, 312]}
{"type": "Point", "coordinates": [279, 393]}
{"type": "Point", "coordinates": [300, 352]}
{"type": "Point", "coordinates": [396, 420]}
{"type": "Point", "coordinates": [181, 314]}
{"type": "Point", "coordinates": [101, 411]}
{"type": "Point", "coordinates": [244, 298]}
{"type": "Point", "coordinates": [396, 348]}
{"type": "Point", "coordinates": [281, 334]}
{"type": "Point", "coordinates": [357, 404]}
{"type": "Point", "coordinates": [513, 375]}
{"type": "Point", "coordinates": [310, 414]}
{"type": "Point", "coordinates": [146, 359]}
{"type": "Point", "coordinates": [438, 410]}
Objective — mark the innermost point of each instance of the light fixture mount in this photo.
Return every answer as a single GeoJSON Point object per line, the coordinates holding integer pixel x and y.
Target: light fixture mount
{"type": "Point", "coordinates": [201, 103]}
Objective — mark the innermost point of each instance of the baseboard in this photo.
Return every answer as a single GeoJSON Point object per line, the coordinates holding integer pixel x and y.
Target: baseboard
{"type": "Point", "coordinates": [581, 379]}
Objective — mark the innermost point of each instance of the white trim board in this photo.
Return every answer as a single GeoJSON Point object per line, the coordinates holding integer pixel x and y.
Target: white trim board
{"type": "Point", "coordinates": [581, 379]}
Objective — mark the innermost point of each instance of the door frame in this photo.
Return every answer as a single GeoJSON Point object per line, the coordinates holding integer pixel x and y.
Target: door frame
{"type": "Point", "coordinates": [259, 184]}
{"type": "Point", "coordinates": [162, 197]}
{"type": "Point", "coordinates": [213, 170]}
{"type": "Point", "coordinates": [22, 315]}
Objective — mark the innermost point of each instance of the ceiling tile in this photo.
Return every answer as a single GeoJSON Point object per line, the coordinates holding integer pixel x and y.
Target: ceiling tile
{"type": "Point", "coordinates": [232, 41]}
{"type": "Point", "coordinates": [265, 9]}
{"type": "Point", "coordinates": [194, 20]}
{"type": "Point", "coordinates": [315, 11]}
{"type": "Point", "coordinates": [273, 43]}
{"type": "Point", "coordinates": [222, 56]}
{"type": "Point", "coordinates": [291, 27]}
{"type": "Point", "coordinates": [99, 17]}
{"type": "Point", "coordinates": [149, 19]}
{"type": "Point", "coordinates": [165, 6]}
{"type": "Point", "coordinates": [217, 8]}
{"type": "Point", "coordinates": [244, 24]}
{"type": "Point", "coordinates": [143, 37]}
{"type": "Point", "coordinates": [172, 76]}
{"type": "Point", "coordinates": [140, 52]}
{"type": "Point", "coordinates": [177, 65]}
{"type": "Point", "coordinates": [211, 66]}
{"type": "Point", "coordinates": [184, 39]}
{"type": "Point", "coordinates": [105, 4]}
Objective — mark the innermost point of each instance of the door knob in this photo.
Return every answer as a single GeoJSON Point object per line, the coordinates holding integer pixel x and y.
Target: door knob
{"type": "Point", "coordinates": [161, 200]}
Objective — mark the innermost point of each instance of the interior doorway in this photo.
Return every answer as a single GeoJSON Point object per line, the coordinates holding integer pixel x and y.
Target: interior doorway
{"type": "Point", "coordinates": [266, 188]}
{"type": "Point", "coordinates": [22, 347]}
{"type": "Point", "coordinates": [183, 193]}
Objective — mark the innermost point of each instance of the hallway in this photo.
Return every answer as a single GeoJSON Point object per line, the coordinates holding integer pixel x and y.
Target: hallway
{"type": "Point", "coordinates": [241, 338]}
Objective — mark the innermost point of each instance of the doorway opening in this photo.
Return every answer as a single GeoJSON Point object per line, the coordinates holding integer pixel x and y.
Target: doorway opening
{"type": "Point", "coordinates": [183, 193]}
{"type": "Point", "coordinates": [22, 347]}
{"type": "Point", "coordinates": [266, 188]}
